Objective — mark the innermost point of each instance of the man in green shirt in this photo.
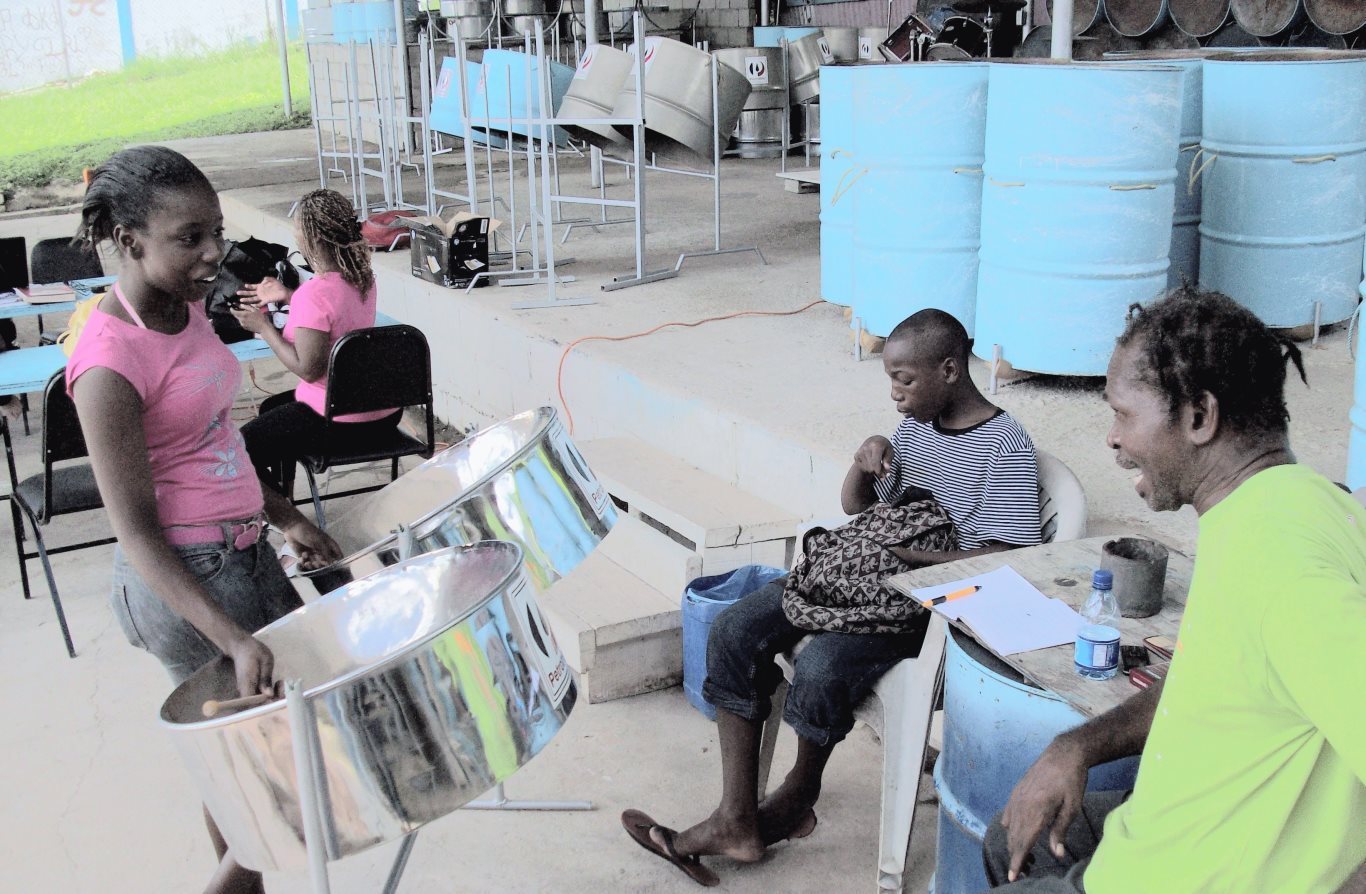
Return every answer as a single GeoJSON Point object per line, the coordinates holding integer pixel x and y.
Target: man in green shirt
{"type": "Point", "coordinates": [1253, 775]}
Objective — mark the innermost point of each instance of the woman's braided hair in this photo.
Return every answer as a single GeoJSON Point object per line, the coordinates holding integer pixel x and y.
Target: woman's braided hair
{"type": "Point", "coordinates": [126, 188]}
{"type": "Point", "coordinates": [328, 224]}
{"type": "Point", "coordinates": [1192, 342]}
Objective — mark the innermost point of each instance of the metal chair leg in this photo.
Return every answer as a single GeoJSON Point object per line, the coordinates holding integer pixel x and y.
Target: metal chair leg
{"type": "Point", "coordinates": [23, 406]}
{"type": "Point", "coordinates": [317, 500]}
{"type": "Point", "coordinates": [52, 588]}
{"type": "Point", "coordinates": [18, 519]}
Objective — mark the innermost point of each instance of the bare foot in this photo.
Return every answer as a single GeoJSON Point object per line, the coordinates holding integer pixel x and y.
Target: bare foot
{"type": "Point", "coordinates": [787, 813]}
{"type": "Point", "coordinates": [719, 834]}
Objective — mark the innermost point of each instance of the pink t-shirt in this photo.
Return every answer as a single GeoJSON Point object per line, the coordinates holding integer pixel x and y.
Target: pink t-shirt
{"type": "Point", "coordinates": [187, 383]}
{"type": "Point", "coordinates": [330, 304]}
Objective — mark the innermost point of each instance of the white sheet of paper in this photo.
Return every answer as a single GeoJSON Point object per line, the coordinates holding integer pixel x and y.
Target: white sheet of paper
{"type": "Point", "coordinates": [1008, 614]}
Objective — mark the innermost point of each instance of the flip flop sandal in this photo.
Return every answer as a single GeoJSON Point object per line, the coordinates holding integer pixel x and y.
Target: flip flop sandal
{"type": "Point", "coordinates": [639, 826]}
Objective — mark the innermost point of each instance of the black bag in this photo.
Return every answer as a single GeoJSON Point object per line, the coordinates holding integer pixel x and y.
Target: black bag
{"type": "Point", "coordinates": [246, 262]}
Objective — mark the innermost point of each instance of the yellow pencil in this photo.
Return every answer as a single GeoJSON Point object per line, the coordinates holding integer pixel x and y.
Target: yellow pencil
{"type": "Point", "coordinates": [949, 597]}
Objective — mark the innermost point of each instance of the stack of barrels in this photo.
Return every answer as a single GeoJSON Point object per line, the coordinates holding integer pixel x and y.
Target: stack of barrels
{"type": "Point", "coordinates": [1102, 26]}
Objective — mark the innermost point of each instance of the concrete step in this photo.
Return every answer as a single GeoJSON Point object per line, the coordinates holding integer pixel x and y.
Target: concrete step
{"type": "Point", "coordinates": [726, 526]}
{"type": "Point", "coordinates": [654, 557]}
{"type": "Point", "coordinates": [621, 635]}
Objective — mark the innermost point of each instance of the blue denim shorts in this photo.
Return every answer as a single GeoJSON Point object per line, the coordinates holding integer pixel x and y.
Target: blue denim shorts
{"type": "Point", "coordinates": [834, 671]}
{"type": "Point", "coordinates": [248, 585]}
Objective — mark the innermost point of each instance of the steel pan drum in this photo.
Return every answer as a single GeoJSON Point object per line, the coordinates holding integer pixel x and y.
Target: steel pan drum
{"type": "Point", "coordinates": [843, 43]}
{"type": "Point", "coordinates": [601, 73]}
{"type": "Point", "coordinates": [1198, 18]}
{"type": "Point", "coordinates": [759, 133]}
{"type": "Point", "coordinates": [678, 101]}
{"type": "Point", "coordinates": [1085, 14]}
{"type": "Point", "coordinates": [521, 480]}
{"type": "Point", "coordinates": [430, 683]}
{"type": "Point", "coordinates": [805, 57]}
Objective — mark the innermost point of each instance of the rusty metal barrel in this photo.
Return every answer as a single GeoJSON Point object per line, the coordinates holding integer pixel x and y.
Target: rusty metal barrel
{"type": "Point", "coordinates": [1199, 18]}
{"type": "Point", "coordinates": [1136, 18]}
{"type": "Point", "coordinates": [1267, 18]}
{"type": "Point", "coordinates": [1337, 16]}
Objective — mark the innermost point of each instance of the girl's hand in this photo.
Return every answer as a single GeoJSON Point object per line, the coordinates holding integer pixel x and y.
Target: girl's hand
{"type": "Point", "coordinates": [314, 546]}
{"type": "Point", "coordinates": [252, 317]}
{"type": "Point", "coordinates": [267, 291]}
{"type": "Point", "coordinates": [253, 663]}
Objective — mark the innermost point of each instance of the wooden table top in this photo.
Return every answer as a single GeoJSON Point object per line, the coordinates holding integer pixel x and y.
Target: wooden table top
{"type": "Point", "coordinates": [1063, 570]}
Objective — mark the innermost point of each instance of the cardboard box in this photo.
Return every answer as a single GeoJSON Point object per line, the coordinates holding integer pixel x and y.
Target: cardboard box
{"type": "Point", "coordinates": [450, 252]}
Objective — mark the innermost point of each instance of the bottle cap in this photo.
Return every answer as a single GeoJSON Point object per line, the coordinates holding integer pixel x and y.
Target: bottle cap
{"type": "Point", "coordinates": [1102, 579]}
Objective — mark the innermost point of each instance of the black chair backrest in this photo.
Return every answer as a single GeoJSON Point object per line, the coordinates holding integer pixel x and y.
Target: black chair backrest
{"type": "Point", "coordinates": [379, 368]}
{"type": "Point", "coordinates": [57, 260]}
{"type": "Point", "coordinates": [62, 436]}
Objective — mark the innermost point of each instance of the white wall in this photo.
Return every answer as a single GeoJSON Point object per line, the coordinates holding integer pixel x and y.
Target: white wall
{"type": "Point", "coordinates": [175, 27]}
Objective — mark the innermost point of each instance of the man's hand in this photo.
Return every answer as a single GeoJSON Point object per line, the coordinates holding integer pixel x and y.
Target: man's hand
{"type": "Point", "coordinates": [1049, 796]}
{"type": "Point", "coordinates": [267, 291]}
{"type": "Point", "coordinates": [314, 547]}
{"type": "Point", "coordinates": [253, 317]}
{"type": "Point", "coordinates": [875, 457]}
{"type": "Point", "coordinates": [254, 664]}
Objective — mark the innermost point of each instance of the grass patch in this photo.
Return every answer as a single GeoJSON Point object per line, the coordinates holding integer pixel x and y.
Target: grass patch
{"type": "Point", "coordinates": [54, 132]}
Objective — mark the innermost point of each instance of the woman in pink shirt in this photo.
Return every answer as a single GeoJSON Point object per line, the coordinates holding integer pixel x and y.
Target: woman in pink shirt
{"type": "Point", "coordinates": [340, 298]}
{"type": "Point", "coordinates": [194, 575]}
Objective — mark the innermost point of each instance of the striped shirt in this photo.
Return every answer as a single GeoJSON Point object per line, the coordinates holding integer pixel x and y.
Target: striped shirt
{"type": "Point", "coordinates": [985, 477]}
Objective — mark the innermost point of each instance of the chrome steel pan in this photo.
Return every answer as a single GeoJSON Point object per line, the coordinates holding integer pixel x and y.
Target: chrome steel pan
{"type": "Point", "coordinates": [521, 480]}
{"type": "Point", "coordinates": [430, 683]}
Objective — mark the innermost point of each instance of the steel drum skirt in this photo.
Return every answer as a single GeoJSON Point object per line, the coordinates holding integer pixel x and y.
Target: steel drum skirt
{"type": "Point", "coordinates": [598, 79]}
{"type": "Point", "coordinates": [446, 115]}
{"type": "Point", "coordinates": [430, 683]}
{"type": "Point", "coordinates": [521, 480]}
{"type": "Point", "coordinates": [1076, 208]}
{"type": "Point", "coordinates": [1285, 183]}
{"type": "Point", "coordinates": [508, 84]}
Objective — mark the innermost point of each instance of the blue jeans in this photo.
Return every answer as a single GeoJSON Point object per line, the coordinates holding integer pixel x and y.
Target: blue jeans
{"type": "Point", "coordinates": [248, 585]}
{"type": "Point", "coordinates": [834, 672]}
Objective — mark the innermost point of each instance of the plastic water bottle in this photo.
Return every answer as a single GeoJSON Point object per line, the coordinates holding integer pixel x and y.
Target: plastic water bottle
{"type": "Point", "coordinates": [1097, 650]}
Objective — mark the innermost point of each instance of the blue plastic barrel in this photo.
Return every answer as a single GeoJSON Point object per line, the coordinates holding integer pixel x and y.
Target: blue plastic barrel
{"type": "Point", "coordinates": [839, 176]}
{"type": "Point", "coordinates": [995, 726]}
{"type": "Point", "coordinates": [1284, 186]}
{"type": "Point", "coordinates": [505, 72]}
{"type": "Point", "coordinates": [1185, 246]}
{"type": "Point", "coordinates": [1076, 208]}
{"type": "Point", "coordinates": [445, 115]}
{"type": "Point", "coordinates": [1356, 440]}
{"type": "Point", "coordinates": [772, 35]}
{"type": "Point", "coordinates": [378, 22]}
{"type": "Point", "coordinates": [703, 600]}
{"type": "Point", "coordinates": [919, 132]}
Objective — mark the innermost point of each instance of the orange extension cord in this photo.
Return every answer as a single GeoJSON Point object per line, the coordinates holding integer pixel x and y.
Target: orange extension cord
{"type": "Point", "coordinates": [559, 372]}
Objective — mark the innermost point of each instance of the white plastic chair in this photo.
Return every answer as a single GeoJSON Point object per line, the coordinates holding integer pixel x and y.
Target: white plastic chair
{"type": "Point", "coordinates": [902, 703]}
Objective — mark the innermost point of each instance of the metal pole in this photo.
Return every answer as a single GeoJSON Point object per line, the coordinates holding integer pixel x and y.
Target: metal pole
{"type": "Point", "coordinates": [716, 153]}
{"type": "Point", "coordinates": [590, 24]}
{"type": "Point", "coordinates": [283, 41]}
{"type": "Point", "coordinates": [1062, 29]}
{"type": "Point", "coordinates": [471, 176]}
{"type": "Point", "coordinates": [638, 147]}
{"type": "Point", "coordinates": [301, 726]}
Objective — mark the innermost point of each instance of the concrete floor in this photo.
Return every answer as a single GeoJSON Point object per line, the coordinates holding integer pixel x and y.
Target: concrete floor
{"type": "Point", "coordinates": [96, 800]}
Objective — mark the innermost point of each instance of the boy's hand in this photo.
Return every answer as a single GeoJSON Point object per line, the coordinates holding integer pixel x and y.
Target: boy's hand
{"type": "Point", "coordinates": [875, 457]}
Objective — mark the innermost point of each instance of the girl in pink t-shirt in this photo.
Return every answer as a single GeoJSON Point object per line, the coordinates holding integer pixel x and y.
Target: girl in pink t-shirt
{"type": "Point", "coordinates": [194, 575]}
{"type": "Point", "coordinates": [340, 298]}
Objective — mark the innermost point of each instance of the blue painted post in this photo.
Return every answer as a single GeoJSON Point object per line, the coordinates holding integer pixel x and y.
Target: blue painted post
{"type": "Point", "coordinates": [125, 11]}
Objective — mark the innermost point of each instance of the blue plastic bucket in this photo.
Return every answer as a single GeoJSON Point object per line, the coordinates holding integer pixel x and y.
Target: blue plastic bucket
{"type": "Point", "coordinates": [995, 726]}
{"type": "Point", "coordinates": [1285, 183]}
{"type": "Point", "coordinates": [1076, 208]}
{"type": "Point", "coordinates": [839, 175]}
{"type": "Point", "coordinates": [919, 132]}
{"type": "Point", "coordinates": [700, 610]}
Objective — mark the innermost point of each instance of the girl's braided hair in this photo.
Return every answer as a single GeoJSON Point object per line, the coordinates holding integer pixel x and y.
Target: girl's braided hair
{"type": "Point", "coordinates": [328, 224]}
{"type": "Point", "coordinates": [126, 188]}
{"type": "Point", "coordinates": [1192, 341]}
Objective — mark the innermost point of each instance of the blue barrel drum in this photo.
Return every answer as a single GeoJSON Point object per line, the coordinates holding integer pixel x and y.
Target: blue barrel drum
{"type": "Point", "coordinates": [839, 174]}
{"type": "Point", "coordinates": [1076, 209]}
{"type": "Point", "coordinates": [509, 84]}
{"type": "Point", "coordinates": [919, 132]}
{"type": "Point", "coordinates": [1284, 192]}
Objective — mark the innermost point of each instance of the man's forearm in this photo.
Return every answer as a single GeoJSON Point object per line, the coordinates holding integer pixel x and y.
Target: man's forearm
{"type": "Point", "coordinates": [921, 557]}
{"type": "Point", "coordinates": [858, 493]}
{"type": "Point", "coordinates": [1119, 732]}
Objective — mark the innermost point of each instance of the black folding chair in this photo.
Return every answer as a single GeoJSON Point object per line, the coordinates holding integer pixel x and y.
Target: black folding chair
{"type": "Point", "coordinates": [371, 369]}
{"type": "Point", "coordinates": [57, 490]}
{"type": "Point", "coordinates": [57, 260]}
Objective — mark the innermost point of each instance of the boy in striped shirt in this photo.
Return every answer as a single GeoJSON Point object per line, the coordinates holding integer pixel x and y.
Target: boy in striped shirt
{"type": "Point", "coordinates": [979, 464]}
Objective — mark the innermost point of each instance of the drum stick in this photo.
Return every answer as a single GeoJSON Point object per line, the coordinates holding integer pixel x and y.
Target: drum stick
{"type": "Point", "coordinates": [214, 707]}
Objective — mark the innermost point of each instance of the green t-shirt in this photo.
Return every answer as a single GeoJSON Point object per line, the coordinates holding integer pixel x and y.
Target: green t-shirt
{"type": "Point", "coordinates": [1253, 777]}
